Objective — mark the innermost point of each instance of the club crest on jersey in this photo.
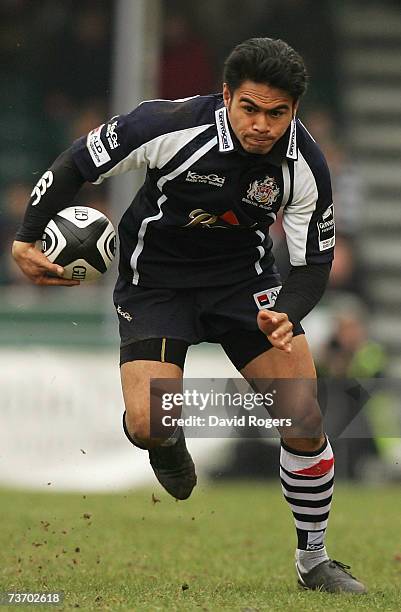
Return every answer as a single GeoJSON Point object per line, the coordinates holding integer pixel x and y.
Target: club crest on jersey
{"type": "Point", "coordinates": [262, 194]}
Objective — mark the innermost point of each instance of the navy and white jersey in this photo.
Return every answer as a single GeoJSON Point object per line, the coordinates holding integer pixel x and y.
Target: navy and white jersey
{"type": "Point", "coordinates": [202, 216]}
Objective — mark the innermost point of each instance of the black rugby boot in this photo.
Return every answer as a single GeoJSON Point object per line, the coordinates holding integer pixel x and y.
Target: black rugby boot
{"type": "Point", "coordinates": [174, 468]}
{"type": "Point", "coordinates": [332, 577]}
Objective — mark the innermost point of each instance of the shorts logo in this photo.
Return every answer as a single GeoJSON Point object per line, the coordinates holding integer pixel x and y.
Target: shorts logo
{"type": "Point", "coordinates": [111, 135]}
{"type": "Point", "coordinates": [96, 148]}
{"type": "Point", "coordinates": [326, 229]}
{"type": "Point", "coordinates": [267, 298]}
{"type": "Point", "coordinates": [210, 179]}
{"type": "Point", "coordinates": [262, 194]}
{"type": "Point", "coordinates": [124, 315]}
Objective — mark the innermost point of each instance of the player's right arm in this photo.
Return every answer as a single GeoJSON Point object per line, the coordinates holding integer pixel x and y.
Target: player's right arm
{"type": "Point", "coordinates": [54, 191]}
{"type": "Point", "coordinates": [150, 135]}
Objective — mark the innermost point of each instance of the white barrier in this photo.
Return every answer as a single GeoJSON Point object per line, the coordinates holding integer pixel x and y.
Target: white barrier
{"type": "Point", "coordinates": [60, 419]}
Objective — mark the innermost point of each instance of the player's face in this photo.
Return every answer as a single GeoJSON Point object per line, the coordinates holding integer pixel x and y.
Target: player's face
{"type": "Point", "coordinates": [259, 114]}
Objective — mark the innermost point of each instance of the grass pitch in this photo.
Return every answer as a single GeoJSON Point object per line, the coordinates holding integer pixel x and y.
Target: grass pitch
{"type": "Point", "coordinates": [230, 547]}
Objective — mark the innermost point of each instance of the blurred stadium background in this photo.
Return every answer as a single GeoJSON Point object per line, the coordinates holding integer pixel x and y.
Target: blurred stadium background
{"type": "Point", "coordinates": [68, 66]}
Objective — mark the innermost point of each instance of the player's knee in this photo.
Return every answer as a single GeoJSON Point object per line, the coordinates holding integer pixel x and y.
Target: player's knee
{"type": "Point", "coordinates": [308, 422]}
{"type": "Point", "coordinates": [139, 431]}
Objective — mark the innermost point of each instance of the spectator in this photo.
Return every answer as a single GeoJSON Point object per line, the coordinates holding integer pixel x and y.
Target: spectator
{"type": "Point", "coordinates": [185, 63]}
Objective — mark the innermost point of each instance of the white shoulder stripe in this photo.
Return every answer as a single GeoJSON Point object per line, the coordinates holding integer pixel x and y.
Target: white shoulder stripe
{"type": "Point", "coordinates": [297, 215]}
{"type": "Point", "coordinates": [168, 177]}
{"type": "Point", "coordinates": [286, 183]}
{"type": "Point", "coordinates": [168, 100]}
{"type": "Point", "coordinates": [156, 152]}
{"type": "Point", "coordinates": [306, 130]}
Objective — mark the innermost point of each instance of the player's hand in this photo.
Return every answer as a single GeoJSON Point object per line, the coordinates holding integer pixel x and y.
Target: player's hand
{"type": "Point", "coordinates": [277, 328]}
{"type": "Point", "coordinates": [37, 267]}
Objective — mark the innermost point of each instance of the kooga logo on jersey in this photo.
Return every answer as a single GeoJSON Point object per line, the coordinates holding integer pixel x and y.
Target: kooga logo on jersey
{"type": "Point", "coordinates": [210, 179]}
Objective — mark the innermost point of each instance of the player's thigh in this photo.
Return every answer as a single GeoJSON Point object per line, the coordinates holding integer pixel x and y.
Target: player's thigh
{"type": "Point", "coordinates": [275, 363]}
{"type": "Point", "coordinates": [293, 376]}
{"type": "Point", "coordinates": [136, 379]}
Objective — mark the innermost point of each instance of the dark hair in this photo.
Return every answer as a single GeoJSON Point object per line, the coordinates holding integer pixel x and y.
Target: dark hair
{"type": "Point", "coordinates": [265, 60]}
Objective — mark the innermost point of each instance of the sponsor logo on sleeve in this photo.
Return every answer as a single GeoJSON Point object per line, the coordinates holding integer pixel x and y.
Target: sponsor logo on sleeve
{"type": "Point", "coordinates": [267, 298]}
{"type": "Point", "coordinates": [41, 187]}
{"type": "Point", "coordinates": [96, 148]}
{"type": "Point", "coordinates": [111, 135]}
{"type": "Point", "coordinates": [326, 229]}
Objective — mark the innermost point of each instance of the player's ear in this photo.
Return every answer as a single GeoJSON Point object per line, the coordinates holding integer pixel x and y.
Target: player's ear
{"type": "Point", "coordinates": [295, 108]}
{"type": "Point", "coordinates": [226, 95]}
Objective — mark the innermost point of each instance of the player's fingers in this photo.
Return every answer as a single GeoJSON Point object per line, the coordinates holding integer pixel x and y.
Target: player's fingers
{"type": "Point", "coordinates": [286, 340]}
{"type": "Point", "coordinates": [266, 327]}
{"type": "Point", "coordinates": [266, 321]}
{"type": "Point", "coordinates": [273, 322]}
{"type": "Point", "coordinates": [39, 260]}
{"type": "Point", "coordinates": [266, 315]}
{"type": "Point", "coordinates": [51, 280]}
{"type": "Point", "coordinates": [284, 328]}
{"type": "Point", "coordinates": [284, 344]}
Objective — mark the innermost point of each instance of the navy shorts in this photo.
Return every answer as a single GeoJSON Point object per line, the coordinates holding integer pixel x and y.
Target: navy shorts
{"type": "Point", "coordinates": [165, 322]}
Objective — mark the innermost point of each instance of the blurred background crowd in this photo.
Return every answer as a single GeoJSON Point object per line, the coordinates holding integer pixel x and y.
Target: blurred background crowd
{"type": "Point", "coordinates": [56, 85]}
{"type": "Point", "coordinates": [57, 80]}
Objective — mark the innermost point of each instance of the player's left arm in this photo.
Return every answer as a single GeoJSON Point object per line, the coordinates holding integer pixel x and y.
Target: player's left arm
{"type": "Point", "coordinates": [301, 292]}
{"type": "Point", "coordinates": [310, 232]}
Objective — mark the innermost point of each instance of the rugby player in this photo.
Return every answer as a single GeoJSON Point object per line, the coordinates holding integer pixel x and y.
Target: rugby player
{"type": "Point", "coordinates": [196, 262]}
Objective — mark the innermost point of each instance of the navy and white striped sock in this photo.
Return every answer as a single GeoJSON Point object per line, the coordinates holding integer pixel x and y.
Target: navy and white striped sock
{"type": "Point", "coordinates": [307, 481]}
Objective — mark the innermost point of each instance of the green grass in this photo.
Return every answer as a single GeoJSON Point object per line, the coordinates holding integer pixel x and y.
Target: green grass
{"type": "Point", "coordinates": [230, 547]}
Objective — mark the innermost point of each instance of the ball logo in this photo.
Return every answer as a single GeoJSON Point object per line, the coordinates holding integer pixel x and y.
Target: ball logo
{"type": "Point", "coordinates": [78, 273]}
{"type": "Point", "coordinates": [81, 214]}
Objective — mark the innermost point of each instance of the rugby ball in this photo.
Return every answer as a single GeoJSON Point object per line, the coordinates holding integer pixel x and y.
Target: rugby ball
{"type": "Point", "coordinates": [82, 240]}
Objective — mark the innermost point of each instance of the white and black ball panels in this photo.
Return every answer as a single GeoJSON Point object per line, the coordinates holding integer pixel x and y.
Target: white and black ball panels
{"type": "Point", "coordinates": [82, 240]}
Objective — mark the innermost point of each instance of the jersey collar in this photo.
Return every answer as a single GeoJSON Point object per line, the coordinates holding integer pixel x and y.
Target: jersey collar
{"type": "Point", "coordinates": [225, 139]}
{"type": "Point", "coordinates": [286, 147]}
